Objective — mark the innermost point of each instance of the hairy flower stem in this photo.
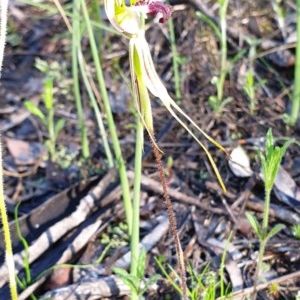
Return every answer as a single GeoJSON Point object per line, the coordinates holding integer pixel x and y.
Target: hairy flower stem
{"type": "Point", "coordinates": [172, 220]}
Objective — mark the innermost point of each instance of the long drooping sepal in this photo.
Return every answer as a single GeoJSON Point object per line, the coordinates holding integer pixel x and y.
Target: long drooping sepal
{"type": "Point", "coordinates": [157, 88]}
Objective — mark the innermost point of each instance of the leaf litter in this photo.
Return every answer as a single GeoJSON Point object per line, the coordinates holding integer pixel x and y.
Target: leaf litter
{"type": "Point", "coordinates": [205, 214]}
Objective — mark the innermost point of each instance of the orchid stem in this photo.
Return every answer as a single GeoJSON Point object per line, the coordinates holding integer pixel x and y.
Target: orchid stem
{"type": "Point", "coordinates": [135, 234]}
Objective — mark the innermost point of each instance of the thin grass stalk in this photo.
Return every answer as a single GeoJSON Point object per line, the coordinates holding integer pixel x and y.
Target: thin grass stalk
{"type": "Point", "coordinates": [9, 258]}
{"type": "Point", "coordinates": [7, 240]}
{"type": "Point", "coordinates": [135, 235]}
{"type": "Point", "coordinates": [63, 14]}
{"type": "Point", "coordinates": [170, 278]}
{"type": "Point", "coordinates": [96, 17]}
{"type": "Point", "coordinates": [222, 267]}
{"type": "Point", "coordinates": [107, 150]}
{"type": "Point", "coordinates": [75, 46]}
{"type": "Point", "coordinates": [223, 24]}
{"type": "Point", "coordinates": [3, 22]}
{"type": "Point", "coordinates": [110, 121]}
{"type": "Point", "coordinates": [25, 245]}
{"type": "Point", "coordinates": [23, 284]}
{"type": "Point", "coordinates": [263, 240]}
{"type": "Point", "coordinates": [177, 80]}
{"type": "Point", "coordinates": [54, 10]}
{"type": "Point", "coordinates": [48, 94]}
{"type": "Point", "coordinates": [296, 94]}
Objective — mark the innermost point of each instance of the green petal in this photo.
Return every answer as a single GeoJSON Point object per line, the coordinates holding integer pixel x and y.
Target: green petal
{"type": "Point", "coordinates": [123, 18]}
{"type": "Point", "coordinates": [140, 91]}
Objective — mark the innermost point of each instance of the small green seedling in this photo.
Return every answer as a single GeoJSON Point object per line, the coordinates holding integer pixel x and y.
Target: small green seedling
{"type": "Point", "coordinates": [137, 284]}
{"type": "Point", "coordinates": [296, 231]}
{"type": "Point", "coordinates": [27, 280]}
{"type": "Point", "coordinates": [204, 286]}
{"type": "Point", "coordinates": [47, 118]}
{"type": "Point", "coordinates": [270, 162]}
{"type": "Point", "coordinates": [170, 162]}
{"type": "Point", "coordinates": [274, 290]}
{"type": "Point", "coordinates": [171, 280]}
{"type": "Point", "coordinates": [251, 86]}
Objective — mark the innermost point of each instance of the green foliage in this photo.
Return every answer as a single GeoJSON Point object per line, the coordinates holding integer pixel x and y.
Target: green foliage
{"type": "Point", "coordinates": [176, 60]}
{"type": "Point", "coordinates": [176, 286]}
{"type": "Point", "coordinates": [214, 101]}
{"type": "Point", "coordinates": [250, 85]}
{"type": "Point", "coordinates": [274, 230]}
{"type": "Point", "coordinates": [52, 69]}
{"type": "Point", "coordinates": [292, 118]}
{"type": "Point", "coordinates": [118, 235]}
{"type": "Point", "coordinates": [209, 22]}
{"type": "Point", "coordinates": [118, 156]}
{"type": "Point", "coordinates": [254, 224]}
{"type": "Point", "coordinates": [76, 40]}
{"type": "Point", "coordinates": [53, 127]}
{"type": "Point", "coordinates": [205, 285]}
{"type": "Point", "coordinates": [137, 284]}
{"type": "Point", "coordinates": [296, 231]}
{"type": "Point", "coordinates": [258, 230]}
{"type": "Point", "coordinates": [27, 280]}
{"type": "Point", "coordinates": [270, 162]}
{"type": "Point", "coordinates": [274, 290]}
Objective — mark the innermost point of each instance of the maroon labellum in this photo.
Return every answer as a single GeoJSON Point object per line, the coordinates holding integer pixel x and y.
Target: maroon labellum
{"type": "Point", "coordinates": [156, 7]}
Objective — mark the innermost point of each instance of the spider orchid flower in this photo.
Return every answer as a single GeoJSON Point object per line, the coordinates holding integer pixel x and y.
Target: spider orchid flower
{"type": "Point", "coordinates": [129, 20]}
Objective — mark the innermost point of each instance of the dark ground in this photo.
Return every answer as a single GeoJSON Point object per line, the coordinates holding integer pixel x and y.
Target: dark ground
{"type": "Point", "coordinates": [205, 215]}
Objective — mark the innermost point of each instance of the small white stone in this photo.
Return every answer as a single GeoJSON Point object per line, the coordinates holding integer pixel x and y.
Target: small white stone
{"type": "Point", "coordinates": [239, 163]}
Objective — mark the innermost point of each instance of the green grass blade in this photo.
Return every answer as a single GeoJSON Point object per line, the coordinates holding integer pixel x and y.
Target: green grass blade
{"type": "Point", "coordinates": [110, 120]}
{"type": "Point", "coordinates": [175, 60]}
{"type": "Point", "coordinates": [103, 134]}
{"type": "Point", "coordinates": [7, 240]}
{"type": "Point", "coordinates": [296, 94]}
{"type": "Point", "coordinates": [76, 37]}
